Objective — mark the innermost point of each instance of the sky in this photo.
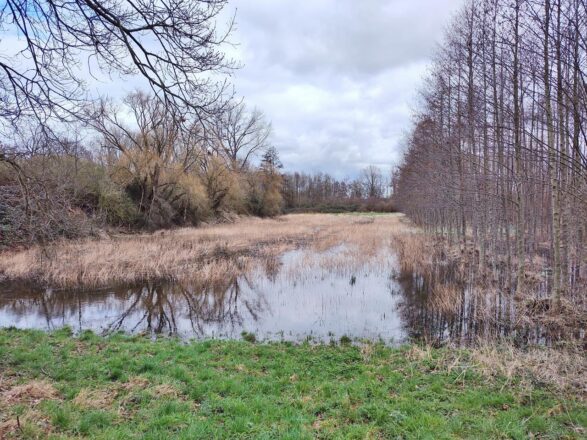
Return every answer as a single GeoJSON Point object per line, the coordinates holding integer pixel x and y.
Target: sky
{"type": "Point", "coordinates": [338, 79]}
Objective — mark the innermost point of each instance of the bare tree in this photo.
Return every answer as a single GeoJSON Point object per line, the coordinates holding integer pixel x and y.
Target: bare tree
{"type": "Point", "coordinates": [239, 135]}
{"type": "Point", "coordinates": [37, 195]}
{"type": "Point", "coordinates": [154, 154]}
{"type": "Point", "coordinates": [372, 180]}
{"type": "Point", "coordinates": [496, 158]}
{"type": "Point", "coordinates": [169, 44]}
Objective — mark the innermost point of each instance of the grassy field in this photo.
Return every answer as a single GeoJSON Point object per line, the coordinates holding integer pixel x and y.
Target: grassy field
{"type": "Point", "coordinates": [58, 386]}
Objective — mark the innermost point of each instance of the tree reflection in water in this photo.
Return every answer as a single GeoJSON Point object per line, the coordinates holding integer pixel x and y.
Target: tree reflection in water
{"type": "Point", "coordinates": [156, 308]}
{"type": "Point", "coordinates": [438, 309]}
{"type": "Point", "coordinates": [318, 303]}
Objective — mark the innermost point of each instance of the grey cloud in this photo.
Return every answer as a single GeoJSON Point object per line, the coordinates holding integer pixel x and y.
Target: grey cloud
{"type": "Point", "coordinates": [336, 77]}
{"type": "Point", "coordinates": [347, 36]}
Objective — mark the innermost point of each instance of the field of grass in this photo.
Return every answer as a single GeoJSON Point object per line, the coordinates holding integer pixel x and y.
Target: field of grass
{"type": "Point", "coordinates": [59, 386]}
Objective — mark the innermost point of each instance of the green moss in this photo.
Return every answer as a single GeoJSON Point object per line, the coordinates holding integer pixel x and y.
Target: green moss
{"type": "Point", "coordinates": [237, 389]}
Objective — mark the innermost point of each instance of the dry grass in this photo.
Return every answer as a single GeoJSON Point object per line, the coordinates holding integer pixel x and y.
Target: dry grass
{"type": "Point", "coordinates": [563, 370]}
{"type": "Point", "coordinates": [446, 298]}
{"type": "Point", "coordinates": [135, 383]}
{"type": "Point", "coordinates": [452, 273]}
{"type": "Point", "coordinates": [415, 252]}
{"type": "Point", "coordinates": [13, 427]}
{"type": "Point", "coordinates": [31, 393]}
{"type": "Point", "coordinates": [166, 391]}
{"type": "Point", "coordinates": [27, 395]}
{"type": "Point", "coordinates": [210, 253]}
{"type": "Point", "coordinates": [95, 398]}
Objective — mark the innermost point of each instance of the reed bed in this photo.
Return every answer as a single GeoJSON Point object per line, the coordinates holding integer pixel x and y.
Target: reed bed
{"type": "Point", "coordinates": [213, 251]}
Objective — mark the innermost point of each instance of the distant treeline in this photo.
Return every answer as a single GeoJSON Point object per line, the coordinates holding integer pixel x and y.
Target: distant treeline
{"type": "Point", "coordinates": [321, 192]}
{"type": "Point", "coordinates": [139, 165]}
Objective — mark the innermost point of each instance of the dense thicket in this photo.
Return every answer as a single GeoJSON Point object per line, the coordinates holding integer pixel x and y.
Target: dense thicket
{"type": "Point", "coordinates": [179, 154]}
{"type": "Point", "coordinates": [138, 165]}
{"type": "Point", "coordinates": [498, 154]}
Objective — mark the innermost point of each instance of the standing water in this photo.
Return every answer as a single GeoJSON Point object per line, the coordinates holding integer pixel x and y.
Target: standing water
{"type": "Point", "coordinates": [303, 295]}
{"type": "Point", "coordinates": [292, 300]}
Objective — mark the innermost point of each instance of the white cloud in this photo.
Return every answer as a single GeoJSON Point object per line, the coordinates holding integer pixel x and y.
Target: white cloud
{"type": "Point", "coordinates": [336, 77]}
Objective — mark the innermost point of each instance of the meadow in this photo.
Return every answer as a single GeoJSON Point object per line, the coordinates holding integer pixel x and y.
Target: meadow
{"type": "Point", "coordinates": [57, 386]}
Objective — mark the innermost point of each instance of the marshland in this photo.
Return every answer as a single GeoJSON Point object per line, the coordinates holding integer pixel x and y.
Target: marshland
{"type": "Point", "coordinates": [346, 289]}
{"type": "Point", "coordinates": [297, 277]}
{"type": "Point", "coordinates": [222, 222]}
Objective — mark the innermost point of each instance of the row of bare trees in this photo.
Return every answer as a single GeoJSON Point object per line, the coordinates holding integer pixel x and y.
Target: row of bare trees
{"type": "Point", "coordinates": [497, 158]}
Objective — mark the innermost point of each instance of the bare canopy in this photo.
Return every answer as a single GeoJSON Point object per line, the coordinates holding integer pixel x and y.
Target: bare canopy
{"type": "Point", "coordinates": [170, 44]}
{"type": "Point", "coordinates": [238, 134]}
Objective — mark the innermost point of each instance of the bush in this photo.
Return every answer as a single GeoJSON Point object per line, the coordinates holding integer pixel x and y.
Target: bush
{"type": "Point", "coordinates": [117, 207]}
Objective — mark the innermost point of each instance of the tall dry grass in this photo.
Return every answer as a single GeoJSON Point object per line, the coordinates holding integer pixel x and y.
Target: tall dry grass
{"type": "Point", "coordinates": [414, 252]}
{"type": "Point", "coordinates": [563, 370]}
{"type": "Point", "coordinates": [212, 252]}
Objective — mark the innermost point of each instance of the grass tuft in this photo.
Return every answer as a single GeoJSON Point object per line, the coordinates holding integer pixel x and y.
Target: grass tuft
{"type": "Point", "coordinates": [249, 337]}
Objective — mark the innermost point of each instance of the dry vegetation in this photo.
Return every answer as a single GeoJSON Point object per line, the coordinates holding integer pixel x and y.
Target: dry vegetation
{"type": "Point", "coordinates": [453, 286]}
{"type": "Point", "coordinates": [562, 371]}
{"type": "Point", "coordinates": [210, 252]}
{"type": "Point", "coordinates": [448, 269]}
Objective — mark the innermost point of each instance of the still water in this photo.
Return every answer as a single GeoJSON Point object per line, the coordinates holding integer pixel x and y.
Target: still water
{"type": "Point", "coordinates": [305, 296]}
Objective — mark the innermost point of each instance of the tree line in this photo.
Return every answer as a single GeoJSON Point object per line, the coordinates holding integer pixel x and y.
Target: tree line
{"type": "Point", "coordinates": [370, 191]}
{"type": "Point", "coordinates": [182, 150]}
{"type": "Point", "coordinates": [497, 158]}
{"type": "Point", "coordinates": [137, 164]}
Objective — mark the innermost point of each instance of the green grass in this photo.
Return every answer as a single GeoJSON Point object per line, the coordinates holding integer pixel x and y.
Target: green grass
{"type": "Point", "coordinates": [125, 387]}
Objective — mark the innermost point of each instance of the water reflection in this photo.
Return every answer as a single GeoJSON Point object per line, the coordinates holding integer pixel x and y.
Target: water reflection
{"type": "Point", "coordinates": [438, 309]}
{"type": "Point", "coordinates": [274, 303]}
{"type": "Point", "coordinates": [293, 298]}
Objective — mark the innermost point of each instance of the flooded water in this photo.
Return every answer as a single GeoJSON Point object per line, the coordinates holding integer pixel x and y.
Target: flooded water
{"type": "Point", "coordinates": [276, 303]}
{"type": "Point", "coordinates": [303, 296]}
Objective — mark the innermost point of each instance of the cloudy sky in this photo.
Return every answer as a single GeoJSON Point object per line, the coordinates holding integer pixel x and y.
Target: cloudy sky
{"type": "Point", "coordinates": [337, 78]}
